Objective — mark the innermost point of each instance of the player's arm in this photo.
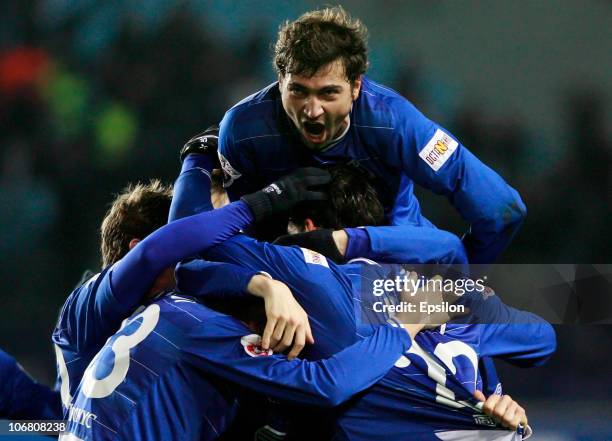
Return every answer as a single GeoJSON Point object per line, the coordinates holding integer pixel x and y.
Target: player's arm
{"type": "Point", "coordinates": [92, 314]}
{"type": "Point", "coordinates": [434, 159]}
{"type": "Point", "coordinates": [191, 193]}
{"type": "Point", "coordinates": [222, 349]}
{"type": "Point", "coordinates": [135, 273]}
{"type": "Point", "coordinates": [519, 337]}
{"type": "Point", "coordinates": [22, 398]}
{"type": "Point", "coordinates": [390, 244]}
{"type": "Point", "coordinates": [218, 280]}
{"type": "Point", "coordinates": [192, 196]}
{"type": "Point", "coordinates": [405, 244]}
{"type": "Point", "coordinates": [287, 323]}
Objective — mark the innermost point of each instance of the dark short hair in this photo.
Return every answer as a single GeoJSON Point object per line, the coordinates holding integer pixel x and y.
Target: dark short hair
{"type": "Point", "coordinates": [321, 37]}
{"type": "Point", "coordinates": [353, 202]}
{"type": "Point", "coordinates": [135, 213]}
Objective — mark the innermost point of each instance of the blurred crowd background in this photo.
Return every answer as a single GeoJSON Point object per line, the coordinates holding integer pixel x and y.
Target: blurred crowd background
{"type": "Point", "coordinates": [96, 94]}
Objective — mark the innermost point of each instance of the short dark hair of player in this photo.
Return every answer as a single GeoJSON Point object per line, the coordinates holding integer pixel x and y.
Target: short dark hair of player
{"type": "Point", "coordinates": [321, 37]}
{"type": "Point", "coordinates": [135, 213]}
{"type": "Point", "coordinates": [353, 202]}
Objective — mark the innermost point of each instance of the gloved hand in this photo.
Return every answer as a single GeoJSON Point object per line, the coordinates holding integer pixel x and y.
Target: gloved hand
{"type": "Point", "coordinates": [283, 194]}
{"type": "Point", "coordinates": [321, 241]}
{"type": "Point", "coordinates": [203, 143]}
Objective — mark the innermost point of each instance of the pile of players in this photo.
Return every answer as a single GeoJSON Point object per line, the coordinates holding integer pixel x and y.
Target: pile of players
{"type": "Point", "coordinates": [183, 333]}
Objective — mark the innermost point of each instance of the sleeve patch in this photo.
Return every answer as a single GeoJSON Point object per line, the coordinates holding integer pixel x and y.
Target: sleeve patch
{"type": "Point", "coordinates": [314, 257]}
{"type": "Point", "coordinates": [230, 174]}
{"type": "Point", "coordinates": [437, 151]}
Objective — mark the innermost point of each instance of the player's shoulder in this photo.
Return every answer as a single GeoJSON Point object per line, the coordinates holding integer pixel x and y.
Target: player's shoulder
{"type": "Point", "coordinates": [268, 94]}
{"type": "Point", "coordinates": [382, 107]}
{"type": "Point", "coordinates": [86, 290]}
{"type": "Point", "coordinates": [185, 313]}
{"type": "Point", "coordinates": [73, 314]}
{"type": "Point", "coordinates": [183, 309]}
{"type": "Point", "coordinates": [255, 115]}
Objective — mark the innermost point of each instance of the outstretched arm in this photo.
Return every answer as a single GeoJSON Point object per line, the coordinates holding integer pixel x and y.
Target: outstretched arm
{"type": "Point", "coordinates": [405, 244]}
{"type": "Point", "coordinates": [94, 311]}
{"type": "Point", "coordinates": [519, 337]}
{"type": "Point", "coordinates": [329, 382]}
{"type": "Point", "coordinates": [391, 244]}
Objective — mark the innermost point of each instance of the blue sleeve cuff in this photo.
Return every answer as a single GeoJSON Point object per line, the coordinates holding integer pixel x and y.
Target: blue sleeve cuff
{"type": "Point", "coordinates": [243, 208]}
{"type": "Point", "coordinates": [197, 160]}
{"type": "Point", "coordinates": [358, 243]}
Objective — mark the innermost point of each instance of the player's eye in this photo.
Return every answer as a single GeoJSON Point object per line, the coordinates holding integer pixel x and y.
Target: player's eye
{"type": "Point", "coordinates": [329, 93]}
{"type": "Point", "coordinates": [297, 91]}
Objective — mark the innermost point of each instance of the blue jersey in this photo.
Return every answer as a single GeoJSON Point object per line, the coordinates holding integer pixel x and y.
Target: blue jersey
{"type": "Point", "coordinates": [438, 374]}
{"type": "Point", "coordinates": [317, 284]}
{"type": "Point", "coordinates": [394, 142]}
{"type": "Point", "coordinates": [172, 371]}
{"type": "Point", "coordinates": [94, 310]}
{"type": "Point", "coordinates": [323, 288]}
{"type": "Point", "coordinates": [430, 389]}
{"type": "Point", "coordinates": [22, 398]}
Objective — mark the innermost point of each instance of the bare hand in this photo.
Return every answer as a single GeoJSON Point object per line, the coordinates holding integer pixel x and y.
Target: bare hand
{"type": "Point", "coordinates": [287, 322]}
{"type": "Point", "coordinates": [504, 409]}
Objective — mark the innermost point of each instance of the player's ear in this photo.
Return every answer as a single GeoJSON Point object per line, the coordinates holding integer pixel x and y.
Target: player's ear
{"type": "Point", "coordinates": [356, 88]}
{"type": "Point", "coordinates": [309, 225]}
{"type": "Point", "coordinates": [133, 243]}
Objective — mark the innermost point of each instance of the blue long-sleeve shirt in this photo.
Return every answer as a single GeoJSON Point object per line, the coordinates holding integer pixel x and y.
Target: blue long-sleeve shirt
{"type": "Point", "coordinates": [94, 310]}
{"type": "Point", "coordinates": [171, 372]}
{"type": "Point", "coordinates": [327, 293]}
{"type": "Point", "coordinates": [391, 139]}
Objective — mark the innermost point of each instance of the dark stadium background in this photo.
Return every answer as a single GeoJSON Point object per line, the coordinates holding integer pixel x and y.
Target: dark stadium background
{"type": "Point", "coordinates": [94, 94]}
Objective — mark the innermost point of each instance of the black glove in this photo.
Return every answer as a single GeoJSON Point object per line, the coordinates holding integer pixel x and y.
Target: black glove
{"type": "Point", "coordinates": [283, 194]}
{"type": "Point", "coordinates": [204, 143]}
{"type": "Point", "coordinates": [321, 241]}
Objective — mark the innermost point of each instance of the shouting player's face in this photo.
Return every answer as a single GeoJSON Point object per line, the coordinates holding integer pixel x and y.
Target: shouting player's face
{"type": "Point", "coordinates": [319, 106]}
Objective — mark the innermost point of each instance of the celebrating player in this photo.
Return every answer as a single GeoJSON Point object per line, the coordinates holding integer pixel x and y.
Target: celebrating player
{"type": "Point", "coordinates": [431, 389]}
{"type": "Point", "coordinates": [323, 109]}
{"type": "Point", "coordinates": [139, 253]}
{"type": "Point", "coordinates": [168, 373]}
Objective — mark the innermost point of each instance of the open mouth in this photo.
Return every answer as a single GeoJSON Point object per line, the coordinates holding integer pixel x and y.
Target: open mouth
{"type": "Point", "coordinates": [314, 128]}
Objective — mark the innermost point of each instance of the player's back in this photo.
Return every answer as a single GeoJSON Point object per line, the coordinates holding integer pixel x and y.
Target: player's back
{"type": "Point", "coordinates": [83, 326]}
{"type": "Point", "coordinates": [142, 385]}
{"type": "Point", "coordinates": [429, 389]}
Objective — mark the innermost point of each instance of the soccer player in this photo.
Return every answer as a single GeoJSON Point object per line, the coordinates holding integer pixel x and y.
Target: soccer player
{"type": "Point", "coordinates": [323, 109]}
{"type": "Point", "coordinates": [175, 370]}
{"type": "Point", "coordinates": [431, 389]}
{"type": "Point", "coordinates": [445, 370]}
{"type": "Point", "coordinates": [139, 253]}
{"type": "Point", "coordinates": [347, 191]}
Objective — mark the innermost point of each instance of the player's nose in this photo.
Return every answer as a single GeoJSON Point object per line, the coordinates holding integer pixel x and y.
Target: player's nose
{"type": "Point", "coordinates": [313, 108]}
